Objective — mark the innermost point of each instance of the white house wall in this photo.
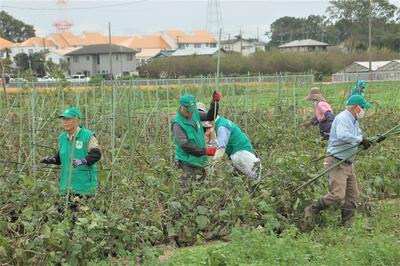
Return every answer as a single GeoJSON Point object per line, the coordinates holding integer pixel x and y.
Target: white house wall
{"type": "Point", "coordinates": [88, 64]}
{"type": "Point", "coordinates": [27, 50]}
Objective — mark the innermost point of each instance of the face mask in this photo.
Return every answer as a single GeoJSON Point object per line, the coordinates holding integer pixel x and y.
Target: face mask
{"type": "Point", "coordinates": [361, 114]}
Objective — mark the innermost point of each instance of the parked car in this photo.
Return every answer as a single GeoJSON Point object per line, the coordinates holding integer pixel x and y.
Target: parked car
{"type": "Point", "coordinates": [46, 79]}
{"type": "Point", "coordinates": [78, 78]}
{"type": "Point", "coordinates": [17, 80]}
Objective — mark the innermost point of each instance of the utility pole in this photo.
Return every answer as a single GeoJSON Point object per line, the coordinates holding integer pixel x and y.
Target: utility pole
{"type": "Point", "coordinates": [110, 50]}
{"type": "Point", "coordinates": [44, 55]}
{"type": "Point", "coordinates": [370, 35]}
{"type": "Point", "coordinates": [241, 43]}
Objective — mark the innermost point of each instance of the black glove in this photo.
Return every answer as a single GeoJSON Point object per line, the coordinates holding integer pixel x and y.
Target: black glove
{"type": "Point", "coordinates": [380, 138]}
{"type": "Point", "coordinates": [365, 143]}
{"type": "Point", "coordinates": [49, 160]}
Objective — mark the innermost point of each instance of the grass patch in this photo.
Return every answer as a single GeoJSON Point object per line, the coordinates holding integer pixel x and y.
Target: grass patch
{"type": "Point", "coordinates": [370, 241]}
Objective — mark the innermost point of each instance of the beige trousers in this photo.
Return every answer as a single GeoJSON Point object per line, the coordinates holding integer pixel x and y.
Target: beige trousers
{"type": "Point", "coordinates": [342, 185]}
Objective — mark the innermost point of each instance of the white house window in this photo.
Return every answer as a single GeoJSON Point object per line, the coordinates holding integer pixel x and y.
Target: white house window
{"type": "Point", "coordinates": [30, 51]}
{"type": "Point", "coordinates": [75, 59]}
{"type": "Point", "coordinates": [181, 46]}
{"type": "Point", "coordinates": [213, 45]}
{"type": "Point", "coordinates": [116, 57]}
{"type": "Point", "coordinates": [129, 57]}
{"type": "Point", "coordinates": [87, 58]}
{"type": "Point", "coordinates": [197, 45]}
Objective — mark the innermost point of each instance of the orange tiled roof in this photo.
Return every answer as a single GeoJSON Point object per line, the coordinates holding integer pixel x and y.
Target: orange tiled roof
{"type": "Point", "coordinates": [174, 34]}
{"type": "Point", "coordinates": [59, 40]}
{"type": "Point", "coordinates": [145, 42]}
{"type": "Point", "coordinates": [90, 38]}
{"type": "Point", "coordinates": [35, 42]}
{"type": "Point", "coordinates": [71, 39]}
{"type": "Point", "coordinates": [119, 39]}
{"type": "Point", "coordinates": [148, 52]}
{"type": "Point", "coordinates": [5, 43]}
{"type": "Point", "coordinates": [199, 36]}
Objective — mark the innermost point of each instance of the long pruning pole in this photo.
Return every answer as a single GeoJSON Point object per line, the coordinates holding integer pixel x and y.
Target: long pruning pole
{"type": "Point", "coordinates": [393, 131]}
{"type": "Point", "coordinates": [374, 139]}
{"type": "Point", "coordinates": [71, 159]}
{"type": "Point", "coordinates": [33, 133]}
{"type": "Point", "coordinates": [112, 113]}
{"type": "Point", "coordinates": [217, 75]}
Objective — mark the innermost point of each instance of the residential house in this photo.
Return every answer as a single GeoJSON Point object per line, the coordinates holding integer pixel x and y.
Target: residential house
{"type": "Point", "coordinates": [5, 45]}
{"type": "Point", "coordinates": [32, 45]}
{"type": "Point", "coordinates": [93, 60]}
{"type": "Point", "coordinates": [145, 54]}
{"type": "Point", "coordinates": [307, 45]}
{"type": "Point", "coordinates": [213, 52]}
{"type": "Point", "coordinates": [244, 46]}
{"type": "Point", "coordinates": [363, 66]}
{"type": "Point", "coordinates": [58, 55]}
{"type": "Point", "coordinates": [148, 46]}
{"type": "Point", "coordinates": [196, 40]}
{"type": "Point", "coordinates": [162, 54]}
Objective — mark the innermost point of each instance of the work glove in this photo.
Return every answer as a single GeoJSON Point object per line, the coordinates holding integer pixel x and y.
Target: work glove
{"type": "Point", "coordinates": [210, 151]}
{"type": "Point", "coordinates": [216, 97]}
{"type": "Point", "coordinates": [77, 163]}
{"type": "Point", "coordinates": [365, 143]}
{"type": "Point", "coordinates": [49, 160]}
{"type": "Point", "coordinates": [218, 154]}
{"type": "Point", "coordinates": [380, 138]}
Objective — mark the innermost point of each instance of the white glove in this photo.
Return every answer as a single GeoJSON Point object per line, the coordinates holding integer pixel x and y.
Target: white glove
{"type": "Point", "coordinates": [218, 154]}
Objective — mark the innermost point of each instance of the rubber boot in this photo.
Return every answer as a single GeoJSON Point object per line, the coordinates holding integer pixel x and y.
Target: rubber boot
{"type": "Point", "coordinates": [347, 216]}
{"type": "Point", "coordinates": [310, 212]}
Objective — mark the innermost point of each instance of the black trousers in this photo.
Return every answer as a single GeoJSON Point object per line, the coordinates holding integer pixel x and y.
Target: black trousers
{"type": "Point", "coordinates": [191, 173]}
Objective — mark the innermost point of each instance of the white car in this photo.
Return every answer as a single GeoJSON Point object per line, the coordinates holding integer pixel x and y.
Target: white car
{"type": "Point", "coordinates": [18, 80]}
{"type": "Point", "coordinates": [46, 79]}
{"type": "Point", "coordinates": [78, 78]}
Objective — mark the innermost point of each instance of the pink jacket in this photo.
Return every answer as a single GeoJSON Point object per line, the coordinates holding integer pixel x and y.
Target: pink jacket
{"type": "Point", "coordinates": [321, 109]}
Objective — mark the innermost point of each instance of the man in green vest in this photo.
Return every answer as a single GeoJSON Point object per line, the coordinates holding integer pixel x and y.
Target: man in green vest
{"type": "Point", "coordinates": [78, 152]}
{"type": "Point", "coordinates": [232, 141]}
{"type": "Point", "coordinates": [191, 148]}
{"type": "Point", "coordinates": [359, 88]}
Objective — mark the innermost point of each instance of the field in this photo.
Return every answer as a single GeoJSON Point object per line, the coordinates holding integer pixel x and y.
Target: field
{"type": "Point", "coordinates": [140, 209]}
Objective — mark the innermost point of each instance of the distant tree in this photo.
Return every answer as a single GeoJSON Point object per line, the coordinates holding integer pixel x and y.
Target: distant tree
{"type": "Point", "coordinates": [350, 18]}
{"type": "Point", "coordinates": [288, 29]}
{"type": "Point", "coordinates": [13, 29]}
{"type": "Point", "coordinates": [285, 29]}
{"type": "Point", "coordinates": [33, 62]}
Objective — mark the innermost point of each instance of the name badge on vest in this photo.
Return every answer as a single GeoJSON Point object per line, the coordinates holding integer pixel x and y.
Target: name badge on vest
{"type": "Point", "coordinates": [198, 124]}
{"type": "Point", "coordinates": [79, 144]}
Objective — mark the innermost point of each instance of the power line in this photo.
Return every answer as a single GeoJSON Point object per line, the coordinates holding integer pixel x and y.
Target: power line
{"type": "Point", "coordinates": [74, 8]}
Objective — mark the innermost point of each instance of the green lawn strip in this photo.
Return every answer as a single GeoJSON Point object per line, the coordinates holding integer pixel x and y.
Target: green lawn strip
{"type": "Point", "coordinates": [370, 241]}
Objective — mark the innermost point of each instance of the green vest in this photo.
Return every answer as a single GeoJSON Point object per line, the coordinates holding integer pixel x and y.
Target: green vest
{"type": "Point", "coordinates": [83, 178]}
{"type": "Point", "coordinates": [354, 91]}
{"type": "Point", "coordinates": [195, 135]}
{"type": "Point", "coordinates": [238, 141]}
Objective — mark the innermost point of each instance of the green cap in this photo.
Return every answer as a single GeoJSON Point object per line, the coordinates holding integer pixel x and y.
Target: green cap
{"type": "Point", "coordinates": [359, 100]}
{"type": "Point", "coordinates": [70, 113]}
{"type": "Point", "coordinates": [189, 101]}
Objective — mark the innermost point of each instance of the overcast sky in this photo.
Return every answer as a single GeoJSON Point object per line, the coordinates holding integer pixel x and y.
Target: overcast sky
{"type": "Point", "coordinates": [148, 16]}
